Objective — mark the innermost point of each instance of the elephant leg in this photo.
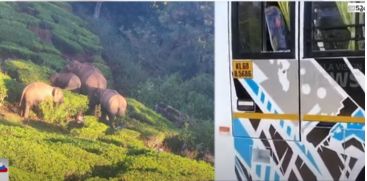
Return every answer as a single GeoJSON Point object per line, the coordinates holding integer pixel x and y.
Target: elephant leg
{"type": "Point", "coordinates": [22, 110]}
{"type": "Point", "coordinates": [97, 110]}
{"type": "Point", "coordinates": [104, 117]}
{"type": "Point", "coordinates": [26, 110]}
{"type": "Point", "coordinates": [111, 118]}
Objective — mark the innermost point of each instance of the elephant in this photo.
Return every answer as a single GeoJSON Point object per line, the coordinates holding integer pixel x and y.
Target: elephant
{"type": "Point", "coordinates": [112, 104]}
{"type": "Point", "coordinates": [68, 81]}
{"type": "Point", "coordinates": [35, 93]}
{"type": "Point", "coordinates": [89, 75]}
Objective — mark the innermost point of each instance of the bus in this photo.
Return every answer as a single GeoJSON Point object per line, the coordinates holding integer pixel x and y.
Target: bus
{"type": "Point", "coordinates": [289, 90]}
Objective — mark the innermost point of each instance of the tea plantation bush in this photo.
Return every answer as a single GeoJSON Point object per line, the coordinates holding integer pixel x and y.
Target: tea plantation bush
{"type": "Point", "coordinates": [125, 137]}
{"type": "Point", "coordinates": [26, 72]}
{"type": "Point", "coordinates": [154, 166]}
{"type": "Point", "coordinates": [91, 153]}
{"type": "Point", "coordinates": [73, 104]}
{"type": "Point", "coordinates": [10, 90]}
{"type": "Point", "coordinates": [3, 89]}
{"type": "Point", "coordinates": [92, 129]}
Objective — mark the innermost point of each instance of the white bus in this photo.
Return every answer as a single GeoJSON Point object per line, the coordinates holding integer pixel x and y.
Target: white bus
{"type": "Point", "coordinates": [289, 91]}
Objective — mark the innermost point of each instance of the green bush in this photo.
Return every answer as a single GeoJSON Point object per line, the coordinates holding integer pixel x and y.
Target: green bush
{"type": "Point", "coordinates": [144, 165]}
{"type": "Point", "coordinates": [53, 61]}
{"type": "Point", "coordinates": [11, 50]}
{"type": "Point", "coordinates": [19, 174]}
{"type": "Point", "coordinates": [27, 72]}
{"type": "Point", "coordinates": [139, 111]}
{"type": "Point", "coordinates": [20, 21]}
{"type": "Point", "coordinates": [92, 129]}
{"type": "Point", "coordinates": [18, 33]}
{"type": "Point", "coordinates": [15, 90]}
{"type": "Point", "coordinates": [60, 114]}
{"type": "Point", "coordinates": [10, 10]}
{"type": "Point", "coordinates": [66, 45]}
{"type": "Point", "coordinates": [10, 90]}
{"type": "Point", "coordinates": [3, 88]}
{"type": "Point", "coordinates": [125, 138]}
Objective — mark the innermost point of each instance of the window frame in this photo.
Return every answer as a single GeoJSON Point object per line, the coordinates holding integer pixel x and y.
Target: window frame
{"type": "Point", "coordinates": [307, 39]}
{"type": "Point", "coordinates": [261, 55]}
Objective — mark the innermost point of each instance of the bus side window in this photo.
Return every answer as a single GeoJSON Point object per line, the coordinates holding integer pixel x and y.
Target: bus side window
{"type": "Point", "coordinates": [332, 29]}
{"type": "Point", "coordinates": [262, 27]}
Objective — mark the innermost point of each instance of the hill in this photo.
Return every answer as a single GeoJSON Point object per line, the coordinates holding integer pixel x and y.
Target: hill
{"type": "Point", "coordinates": [38, 39]}
{"type": "Point", "coordinates": [44, 151]}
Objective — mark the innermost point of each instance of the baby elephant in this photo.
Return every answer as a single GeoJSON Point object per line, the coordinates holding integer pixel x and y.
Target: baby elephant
{"type": "Point", "coordinates": [112, 104]}
{"type": "Point", "coordinates": [35, 93]}
{"type": "Point", "coordinates": [68, 81]}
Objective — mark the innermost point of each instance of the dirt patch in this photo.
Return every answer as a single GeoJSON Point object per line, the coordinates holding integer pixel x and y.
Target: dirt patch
{"type": "Point", "coordinates": [88, 58]}
{"type": "Point", "coordinates": [10, 112]}
{"type": "Point", "coordinates": [44, 34]}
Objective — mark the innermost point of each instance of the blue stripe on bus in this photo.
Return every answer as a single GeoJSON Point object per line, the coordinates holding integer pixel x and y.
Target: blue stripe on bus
{"type": "Point", "coordinates": [258, 170]}
{"type": "Point", "coordinates": [269, 106]}
{"type": "Point", "coordinates": [289, 130]}
{"type": "Point", "coordinates": [276, 177]}
{"type": "Point", "coordinates": [267, 173]}
{"type": "Point", "coordinates": [253, 85]}
{"type": "Point", "coordinates": [262, 97]}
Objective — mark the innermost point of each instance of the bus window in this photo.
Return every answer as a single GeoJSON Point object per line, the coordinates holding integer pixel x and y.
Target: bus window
{"type": "Point", "coordinates": [261, 28]}
{"type": "Point", "coordinates": [333, 29]}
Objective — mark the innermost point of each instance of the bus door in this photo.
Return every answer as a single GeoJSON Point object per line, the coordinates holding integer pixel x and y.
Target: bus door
{"type": "Point", "coordinates": [265, 82]}
{"type": "Point", "coordinates": [332, 89]}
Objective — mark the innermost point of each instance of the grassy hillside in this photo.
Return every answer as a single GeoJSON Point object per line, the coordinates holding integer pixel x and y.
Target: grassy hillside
{"type": "Point", "coordinates": [36, 40]}
{"type": "Point", "coordinates": [45, 33]}
{"type": "Point", "coordinates": [44, 151]}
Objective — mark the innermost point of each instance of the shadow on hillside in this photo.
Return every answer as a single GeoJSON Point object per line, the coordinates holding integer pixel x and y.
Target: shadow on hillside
{"type": "Point", "coordinates": [111, 171]}
{"type": "Point", "coordinates": [100, 171]}
{"type": "Point", "coordinates": [136, 152]}
{"type": "Point", "coordinates": [45, 127]}
{"type": "Point", "coordinates": [10, 123]}
{"type": "Point", "coordinates": [84, 144]}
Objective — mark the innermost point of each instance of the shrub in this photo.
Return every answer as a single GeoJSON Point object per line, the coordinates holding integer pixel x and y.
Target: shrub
{"type": "Point", "coordinates": [125, 138]}
{"type": "Point", "coordinates": [18, 33]}
{"type": "Point", "coordinates": [73, 104]}
{"type": "Point", "coordinates": [145, 166]}
{"type": "Point", "coordinates": [66, 45]}
{"type": "Point", "coordinates": [26, 71]}
{"type": "Point", "coordinates": [139, 111]}
{"type": "Point", "coordinates": [19, 174]}
{"type": "Point", "coordinates": [53, 61]}
{"type": "Point", "coordinates": [15, 90]}
{"type": "Point", "coordinates": [3, 88]}
{"type": "Point", "coordinates": [11, 50]}
{"type": "Point", "coordinates": [92, 129]}
{"type": "Point", "coordinates": [10, 90]}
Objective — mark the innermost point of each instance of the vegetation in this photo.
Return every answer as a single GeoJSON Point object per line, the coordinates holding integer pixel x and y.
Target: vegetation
{"type": "Point", "coordinates": [90, 152]}
{"type": "Point", "coordinates": [42, 32]}
{"type": "Point", "coordinates": [3, 88]}
{"type": "Point", "coordinates": [60, 114]}
{"type": "Point", "coordinates": [26, 72]}
{"type": "Point", "coordinates": [161, 53]}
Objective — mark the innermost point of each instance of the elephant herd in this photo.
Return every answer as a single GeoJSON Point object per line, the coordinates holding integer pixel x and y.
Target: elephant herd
{"type": "Point", "coordinates": [78, 77]}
